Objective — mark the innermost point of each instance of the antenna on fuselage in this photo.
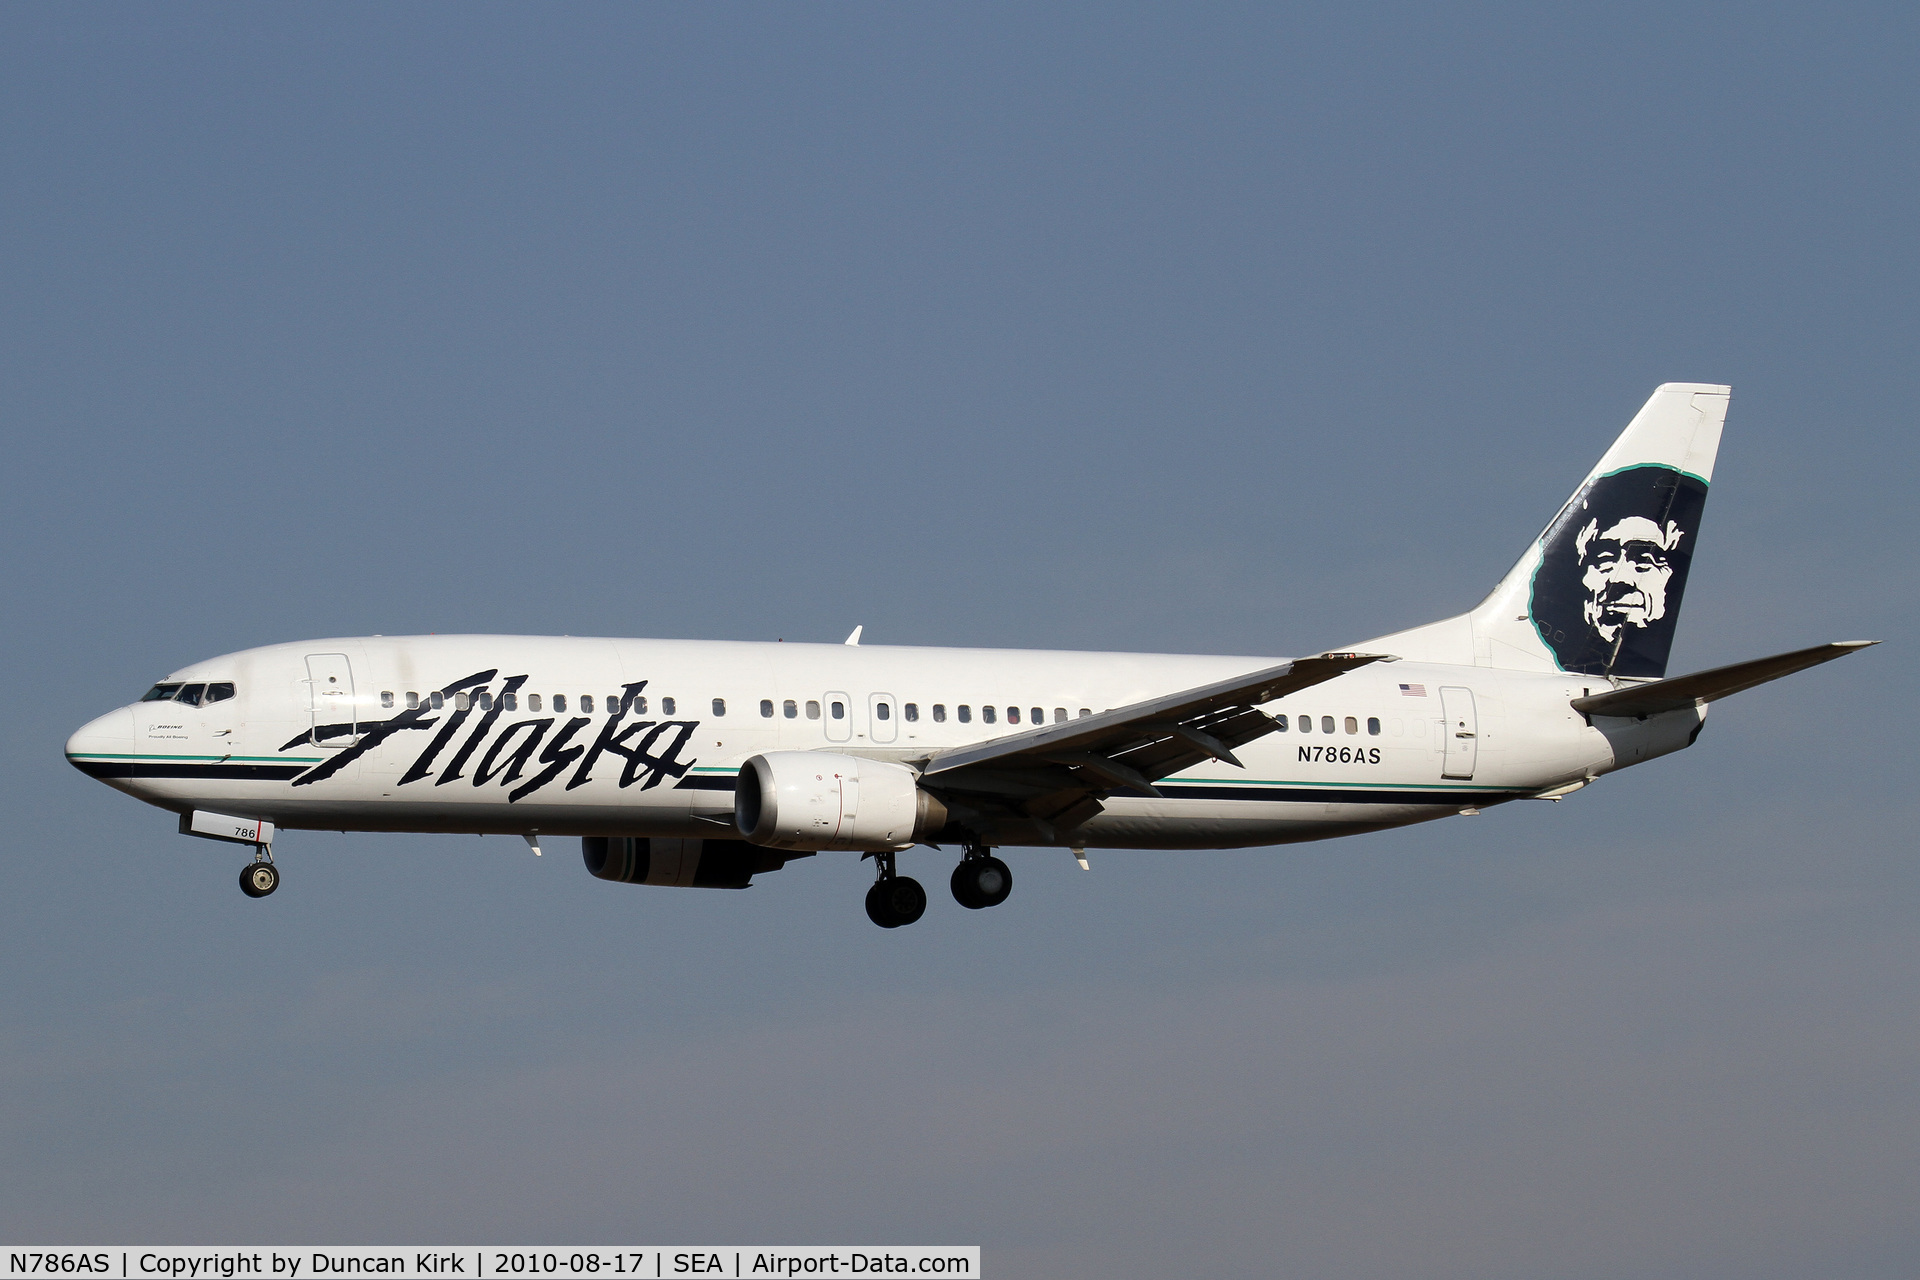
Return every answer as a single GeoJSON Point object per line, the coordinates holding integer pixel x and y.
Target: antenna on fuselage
{"type": "Point", "coordinates": [854, 639]}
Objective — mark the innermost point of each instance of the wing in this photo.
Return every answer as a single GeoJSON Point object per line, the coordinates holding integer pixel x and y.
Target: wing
{"type": "Point", "coordinates": [1046, 781]}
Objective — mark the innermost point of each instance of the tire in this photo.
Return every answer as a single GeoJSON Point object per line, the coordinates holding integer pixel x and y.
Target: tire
{"type": "Point", "coordinates": [879, 910]}
{"type": "Point", "coordinates": [896, 901]}
{"type": "Point", "coordinates": [979, 883]}
{"type": "Point", "coordinates": [258, 879]}
{"type": "Point", "coordinates": [964, 891]}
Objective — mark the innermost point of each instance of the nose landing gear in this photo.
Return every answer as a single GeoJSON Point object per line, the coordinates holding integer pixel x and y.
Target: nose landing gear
{"type": "Point", "coordinates": [259, 877]}
{"type": "Point", "coordinates": [981, 880]}
{"type": "Point", "coordinates": [894, 899]}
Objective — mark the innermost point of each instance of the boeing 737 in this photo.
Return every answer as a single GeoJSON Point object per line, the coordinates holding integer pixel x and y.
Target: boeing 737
{"type": "Point", "coordinates": [697, 764]}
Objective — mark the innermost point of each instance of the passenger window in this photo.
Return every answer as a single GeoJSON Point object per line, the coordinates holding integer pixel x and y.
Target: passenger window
{"type": "Point", "coordinates": [1326, 724]}
{"type": "Point", "coordinates": [161, 693]}
{"type": "Point", "coordinates": [508, 701]}
{"type": "Point", "coordinates": [1059, 715]}
{"type": "Point", "coordinates": [1353, 726]}
{"type": "Point", "coordinates": [413, 700]}
{"type": "Point", "coordinates": [533, 702]}
{"type": "Point", "coordinates": [460, 702]}
{"type": "Point", "coordinates": [386, 697]}
{"type": "Point", "coordinates": [838, 710]}
{"type": "Point", "coordinates": [1037, 716]}
{"type": "Point", "coordinates": [484, 699]}
{"type": "Point", "coordinates": [190, 694]}
{"type": "Point", "coordinates": [882, 711]}
{"type": "Point", "coordinates": [986, 715]}
{"type": "Point", "coordinates": [766, 708]}
{"type": "Point", "coordinates": [586, 704]}
{"type": "Point", "coordinates": [911, 710]}
{"type": "Point", "coordinates": [1084, 712]}
{"type": "Point", "coordinates": [939, 713]}
{"type": "Point", "coordinates": [1013, 715]}
{"type": "Point", "coordinates": [559, 702]}
{"type": "Point", "coordinates": [965, 712]}
{"type": "Point", "coordinates": [614, 704]}
{"type": "Point", "coordinates": [439, 699]}
{"type": "Point", "coordinates": [666, 706]}
{"type": "Point", "coordinates": [813, 709]}
{"type": "Point", "coordinates": [719, 706]}
{"type": "Point", "coordinates": [1280, 722]}
{"type": "Point", "coordinates": [790, 711]}
{"type": "Point", "coordinates": [1373, 726]}
{"type": "Point", "coordinates": [639, 704]}
{"type": "Point", "coordinates": [1306, 724]}
{"type": "Point", "coordinates": [221, 692]}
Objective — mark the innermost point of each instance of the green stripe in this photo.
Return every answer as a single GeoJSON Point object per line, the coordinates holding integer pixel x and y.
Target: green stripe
{"type": "Point", "coordinates": [138, 755]}
{"type": "Point", "coordinates": [1635, 466]}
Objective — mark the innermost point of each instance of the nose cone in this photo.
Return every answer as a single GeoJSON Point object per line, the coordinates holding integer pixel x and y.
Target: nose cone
{"type": "Point", "coordinates": [101, 748]}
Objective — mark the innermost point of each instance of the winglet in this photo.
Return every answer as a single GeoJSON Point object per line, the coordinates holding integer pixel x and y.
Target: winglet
{"type": "Point", "coordinates": [854, 639]}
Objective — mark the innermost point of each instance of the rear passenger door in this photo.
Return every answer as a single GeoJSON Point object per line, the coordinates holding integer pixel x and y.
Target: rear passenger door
{"type": "Point", "coordinates": [1462, 732]}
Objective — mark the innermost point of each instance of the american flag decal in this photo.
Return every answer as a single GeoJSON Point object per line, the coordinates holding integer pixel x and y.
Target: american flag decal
{"type": "Point", "coordinates": [1414, 690]}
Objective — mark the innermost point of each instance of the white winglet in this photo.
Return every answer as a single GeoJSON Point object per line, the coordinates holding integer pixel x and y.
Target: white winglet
{"type": "Point", "coordinates": [855, 637]}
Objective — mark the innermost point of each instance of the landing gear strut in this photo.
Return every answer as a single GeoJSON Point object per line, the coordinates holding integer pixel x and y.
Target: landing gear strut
{"type": "Point", "coordinates": [260, 877]}
{"type": "Point", "coordinates": [894, 899]}
{"type": "Point", "coordinates": [981, 880]}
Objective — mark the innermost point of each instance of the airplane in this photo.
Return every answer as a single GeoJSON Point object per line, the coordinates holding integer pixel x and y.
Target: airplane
{"type": "Point", "coordinates": [705, 764]}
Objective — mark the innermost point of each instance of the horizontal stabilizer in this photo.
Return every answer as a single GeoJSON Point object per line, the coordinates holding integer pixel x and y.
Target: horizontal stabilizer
{"type": "Point", "coordinates": [1705, 686]}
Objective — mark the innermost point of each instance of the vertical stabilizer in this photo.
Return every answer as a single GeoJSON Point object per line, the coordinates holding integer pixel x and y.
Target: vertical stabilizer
{"type": "Point", "coordinates": [1599, 591]}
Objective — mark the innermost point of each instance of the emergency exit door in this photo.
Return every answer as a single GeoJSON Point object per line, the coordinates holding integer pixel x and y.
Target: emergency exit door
{"type": "Point", "coordinates": [1462, 732]}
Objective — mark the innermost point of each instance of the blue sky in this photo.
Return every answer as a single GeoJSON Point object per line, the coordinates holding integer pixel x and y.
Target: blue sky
{"type": "Point", "coordinates": [1237, 329]}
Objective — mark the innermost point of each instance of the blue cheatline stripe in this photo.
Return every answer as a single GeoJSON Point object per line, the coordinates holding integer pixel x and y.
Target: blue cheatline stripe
{"type": "Point", "coordinates": [1451, 795]}
{"type": "Point", "coordinates": [170, 769]}
{"type": "Point", "coordinates": [718, 780]}
{"type": "Point", "coordinates": [1338, 794]}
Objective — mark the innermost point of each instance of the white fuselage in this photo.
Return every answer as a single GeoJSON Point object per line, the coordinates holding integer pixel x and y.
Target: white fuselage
{"type": "Point", "coordinates": [550, 735]}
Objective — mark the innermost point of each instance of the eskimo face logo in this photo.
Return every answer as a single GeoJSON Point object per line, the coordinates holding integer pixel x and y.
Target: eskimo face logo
{"type": "Point", "coordinates": [1613, 567]}
{"type": "Point", "coordinates": [1626, 569]}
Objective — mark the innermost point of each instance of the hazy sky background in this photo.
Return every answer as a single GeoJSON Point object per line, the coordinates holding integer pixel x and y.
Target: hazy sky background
{"type": "Point", "coordinates": [1229, 329]}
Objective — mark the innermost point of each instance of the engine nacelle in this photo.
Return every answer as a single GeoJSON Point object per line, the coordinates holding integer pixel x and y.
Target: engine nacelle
{"type": "Point", "coordinates": [686, 864]}
{"type": "Point", "coordinates": [819, 800]}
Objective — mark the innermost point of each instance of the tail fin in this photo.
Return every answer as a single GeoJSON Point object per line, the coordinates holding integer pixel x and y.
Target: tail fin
{"type": "Point", "coordinates": [1599, 590]}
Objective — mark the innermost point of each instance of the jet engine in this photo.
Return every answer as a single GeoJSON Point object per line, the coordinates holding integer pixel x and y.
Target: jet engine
{"type": "Point", "coordinates": [687, 864]}
{"type": "Point", "coordinates": [817, 800]}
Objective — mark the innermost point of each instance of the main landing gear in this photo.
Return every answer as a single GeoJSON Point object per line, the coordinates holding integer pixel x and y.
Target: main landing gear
{"type": "Point", "coordinates": [260, 877]}
{"type": "Point", "coordinates": [894, 899]}
{"type": "Point", "coordinates": [981, 880]}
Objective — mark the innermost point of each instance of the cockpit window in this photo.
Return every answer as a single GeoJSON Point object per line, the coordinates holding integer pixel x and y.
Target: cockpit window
{"type": "Point", "coordinates": [161, 693]}
{"type": "Point", "coordinates": [219, 692]}
{"type": "Point", "coordinates": [190, 694]}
